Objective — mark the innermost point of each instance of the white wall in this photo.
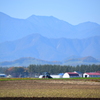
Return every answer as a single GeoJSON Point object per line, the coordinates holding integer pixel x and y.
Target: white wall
{"type": "Point", "coordinates": [66, 75]}
{"type": "Point", "coordinates": [56, 76]}
{"type": "Point", "coordinates": [41, 76]}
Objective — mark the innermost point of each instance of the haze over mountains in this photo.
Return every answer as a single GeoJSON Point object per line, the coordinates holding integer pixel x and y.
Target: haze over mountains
{"type": "Point", "coordinates": [47, 38]}
{"type": "Point", "coordinates": [49, 49]}
{"type": "Point", "coordinates": [48, 26]}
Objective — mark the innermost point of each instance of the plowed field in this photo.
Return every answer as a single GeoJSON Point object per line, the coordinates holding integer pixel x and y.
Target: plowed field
{"type": "Point", "coordinates": [49, 89]}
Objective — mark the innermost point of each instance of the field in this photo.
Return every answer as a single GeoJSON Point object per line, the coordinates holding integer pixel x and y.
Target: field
{"type": "Point", "coordinates": [50, 88]}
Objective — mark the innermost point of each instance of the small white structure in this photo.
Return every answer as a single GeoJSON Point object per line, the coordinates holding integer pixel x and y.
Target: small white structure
{"type": "Point", "coordinates": [9, 76]}
{"type": "Point", "coordinates": [70, 75]}
{"type": "Point", "coordinates": [92, 74]}
{"type": "Point", "coordinates": [56, 76]}
{"type": "Point", "coordinates": [2, 75]}
{"type": "Point", "coordinates": [41, 76]}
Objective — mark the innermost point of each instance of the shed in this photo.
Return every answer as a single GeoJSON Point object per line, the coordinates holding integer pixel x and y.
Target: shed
{"type": "Point", "coordinates": [56, 76]}
{"type": "Point", "coordinates": [9, 76]}
{"type": "Point", "coordinates": [45, 76]}
{"type": "Point", "coordinates": [41, 76]}
{"type": "Point", "coordinates": [70, 75]}
{"type": "Point", "coordinates": [91, 74]}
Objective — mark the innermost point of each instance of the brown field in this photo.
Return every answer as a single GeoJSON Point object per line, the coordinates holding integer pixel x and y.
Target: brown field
{"type": "Point", "coordinates": [49, 89]}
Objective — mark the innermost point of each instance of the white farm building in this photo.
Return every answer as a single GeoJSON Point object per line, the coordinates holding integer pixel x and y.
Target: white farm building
{"type": "Point", "coordinates": [56, 76]}
{"type": "Point", "coordinates": [70, 75]}
{"type": "Point", "coordinates": [92, 74]}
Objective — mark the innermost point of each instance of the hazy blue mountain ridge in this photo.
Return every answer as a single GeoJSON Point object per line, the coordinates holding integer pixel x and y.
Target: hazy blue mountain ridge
{"type": "Point", "coordinates": [37, 46]}
{"type": "Point", "coordinates": [52, 27]}
{"type": "Point", "coordinates": [48, 26]}
{"type": "Point", "coordinates": [13, 28]}
{"type": "Point", "coordinates": [88, 29]}
{"type": "Point", "coordinates": [84, 59]}
{"type": "Point", "coordinates": [26, 61]}
{"type": "Point", "coordinates": [47, 38]}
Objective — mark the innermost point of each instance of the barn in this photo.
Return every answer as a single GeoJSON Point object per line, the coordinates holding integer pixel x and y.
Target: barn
{"type": "Point", "coordinates": [91, 74]}
{"type": "Point", "coordinates": [70, 75]}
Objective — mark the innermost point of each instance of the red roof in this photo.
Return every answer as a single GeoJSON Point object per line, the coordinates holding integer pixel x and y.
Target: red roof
{"type": "Point", "coordinates": [95, 73]}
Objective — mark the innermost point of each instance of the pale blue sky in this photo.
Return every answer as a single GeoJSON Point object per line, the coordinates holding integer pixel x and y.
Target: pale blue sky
{"type": "Point", "coordinates": [72, 11]}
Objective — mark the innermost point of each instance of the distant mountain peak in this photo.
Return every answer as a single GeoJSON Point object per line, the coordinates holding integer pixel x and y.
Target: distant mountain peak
{"type": "Point", "coordinates": [41, 16]}
{"type": "Point", "coordinates": [84, 59]}
{"type": "Point", "coordinates": [88, 24]}
{"type": "Point", "coordinates": [89, 59]}
{"type": "Point", "coordinates": [56, 39]}
{"type": "Point", "coordinates": [3, 15]}
{"type": "Point", "coordinates": [48, 26]}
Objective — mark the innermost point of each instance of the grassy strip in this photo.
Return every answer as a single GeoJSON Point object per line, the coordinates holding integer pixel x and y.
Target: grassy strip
{"type": "Point", "coordinates": [12, 79]}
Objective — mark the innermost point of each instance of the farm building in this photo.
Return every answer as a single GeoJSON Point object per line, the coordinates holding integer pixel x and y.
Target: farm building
{"type": "Point", "coordinates": [45, 76]}
{"type": "Point", "coordinates": [80, 74]}
{"type": "Point", "coordinates": [41, 76]}
{"type": "Point", "coordinates": [70, 75]}
{"type": "Point", "coordinates": [9, 76]}
{"type": "Point", "coordinates": [92, 74]}
{"type": "Point", "coordinates": [60, 75]}
{"type": "Point", "coordinates": [56, 76]}
{"type": "Point", "coordinates": [2, 75]}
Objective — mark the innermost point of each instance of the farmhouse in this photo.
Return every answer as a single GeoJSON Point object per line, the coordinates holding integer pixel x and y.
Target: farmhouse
{"type": "Point", "coordinates": [92, 74]}
{"type": "Point", "coordinates": [70, 75]}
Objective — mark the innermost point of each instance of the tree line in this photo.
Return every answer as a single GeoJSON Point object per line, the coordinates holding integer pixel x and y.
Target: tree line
{"type": "Point", "coordinates": [35, 70]}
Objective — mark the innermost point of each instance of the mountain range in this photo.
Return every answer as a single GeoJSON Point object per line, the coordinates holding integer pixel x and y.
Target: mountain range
{"type": "Point", "coordinates": [26, 61]}
{"type": "Point", "coordinates": [49, 49]}
{"type": "Point", "coordinates": [48, 26]}
{"type": "Point", "coordinates": [47, 38]}
{"type": "Point", "coordinates": [81, 61]}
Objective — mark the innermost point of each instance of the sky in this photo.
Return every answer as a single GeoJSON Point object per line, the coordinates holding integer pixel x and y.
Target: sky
{"type": "Point", "coordinates": [71, 11]}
